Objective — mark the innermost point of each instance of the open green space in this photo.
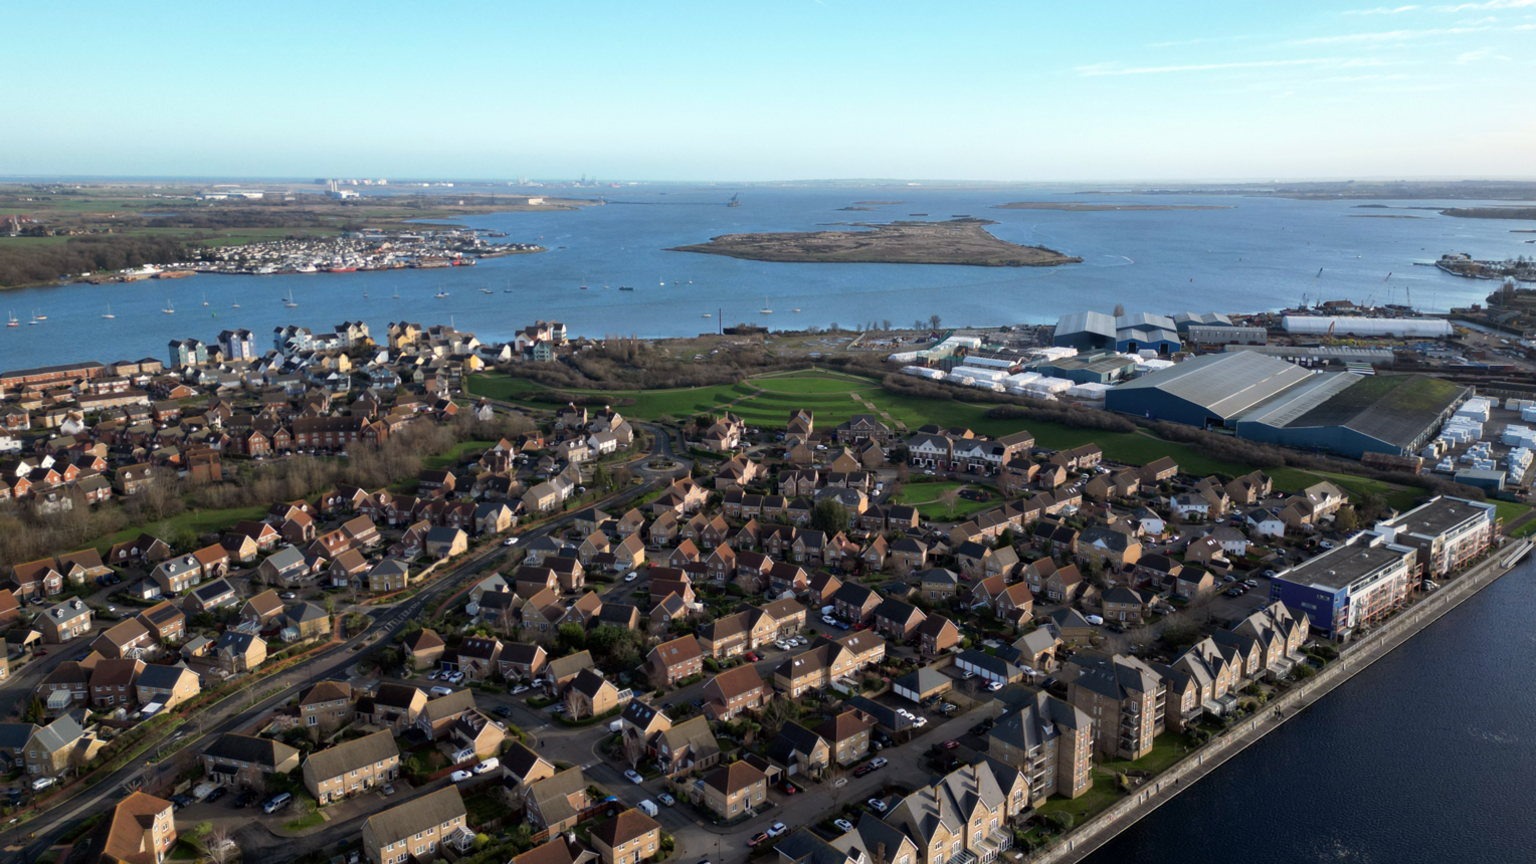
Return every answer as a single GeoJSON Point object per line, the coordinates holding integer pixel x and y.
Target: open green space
{"type": "Point", "coordinates": [1167, 749]}
{"type": "Point", "coordinates": [199, 522]}
{"type": "Point", "coordinates": [1102, 794]}
{"type": "Point", "coordinates": [925, 496]}
{"type": "Point", "coordinates": [456, 453]}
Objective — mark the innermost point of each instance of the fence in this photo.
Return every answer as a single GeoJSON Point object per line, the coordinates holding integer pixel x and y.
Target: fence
{"type": "Point", "coordinates": [1104, 826]}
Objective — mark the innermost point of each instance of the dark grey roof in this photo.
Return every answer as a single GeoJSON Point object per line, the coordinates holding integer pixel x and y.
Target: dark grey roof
{"type": "Point", "coordinates": [792, 738]}
{"type": "Point", "coordinates": [1224, 384]}
{"type": "Point", "coordinates": [249, 748]}
{"type": "Point", "coordinates": [161, 677]}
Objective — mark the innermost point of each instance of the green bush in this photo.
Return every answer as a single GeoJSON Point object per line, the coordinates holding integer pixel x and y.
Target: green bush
{"type": "Point", "coordinates": [1304, 671]}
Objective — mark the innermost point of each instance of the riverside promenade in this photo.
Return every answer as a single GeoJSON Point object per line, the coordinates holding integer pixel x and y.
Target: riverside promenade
{"type": "Point", "coordinates": [1095, 832]}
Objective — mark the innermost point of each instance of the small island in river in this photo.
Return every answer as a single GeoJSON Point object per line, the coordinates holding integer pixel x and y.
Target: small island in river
{"type": "Point", "coordinates": [1091, 208]}
{"type": "Point", "coordinates": [958, 241]}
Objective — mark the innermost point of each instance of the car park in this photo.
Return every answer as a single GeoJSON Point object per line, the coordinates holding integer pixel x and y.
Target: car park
{"type": "Point", "coordinates": [460, 776]}
{"type": "Point", "coordinates": [634, 776]}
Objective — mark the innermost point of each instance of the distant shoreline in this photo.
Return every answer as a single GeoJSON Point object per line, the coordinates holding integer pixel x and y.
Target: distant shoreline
{"type": "Point", "coordinates": [1092, 208]}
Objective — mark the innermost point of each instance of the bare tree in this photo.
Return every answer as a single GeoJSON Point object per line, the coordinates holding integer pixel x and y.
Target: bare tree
{"type": "Point", "coordinates": [220, 845]}
{"type": "Point", "coordinates": [885, 324]}
{"type": "Point", "coordinates": [635, 750]}
{"type": "Point", "coordinates": [950, 498]}
{"type": "Point", "coordinates": [934, 320]}
{"type": "Point", "coordinates": [575, 708]}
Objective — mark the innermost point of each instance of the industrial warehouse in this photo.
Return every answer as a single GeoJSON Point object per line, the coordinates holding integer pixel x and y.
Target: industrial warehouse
{"type": "Point", "coordinates": [1268, 399]}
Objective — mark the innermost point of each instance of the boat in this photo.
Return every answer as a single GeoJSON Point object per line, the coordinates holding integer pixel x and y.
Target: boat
{"type": "Point", "coordinates": [109, 312]}
{"type": "Point", "coordinates": [626, 287]}
{"type": "Point", "coordinates": [440, 295]}
{"type": "Point", "coordinates": [205, 299]}
{"type": "Point", "coordinates": [34, 322]}
{"type": "Point", "coordinates": [341, 270]}
{"type": "Point", "coordinates": [397, 293]}
{"type": "Point", "coordinates": [486, 291]}
{"type": "Point", "coordinates": [36, 316]}
{"type": "Point", "coordinates": [706, 315]}
{"type": "Point", "coordinates": [506, 290]}
{"type": "Point", "coordinates": [169, 309]}
{"type": "Point", "coordinates": [583, 287]}
{"type": "Point", "coordinates": [13, 322]}
{"type": "Point", "coordinates": [663, 283]}
{"type": "Point", "coordinates": [765, 310]}
{"type": "Point", "coordinates": [794, 310]}
{"type": "Point", "coordinates": [289, 302]}
{"type": "Point", "coordinates": [365, 295]}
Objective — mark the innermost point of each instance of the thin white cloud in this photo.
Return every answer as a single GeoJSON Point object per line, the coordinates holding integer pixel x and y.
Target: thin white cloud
{"type": "Point", "coordinates": [1113, 68]}
{"type": "Point", "coordinates": [1488, 4]}
{"type": "Point", "coordinates": [1381, 10]}
{"type": "Point", "coordinates": [1389, 35]}
{"type": "Point", "coordinates": [1480, 54]}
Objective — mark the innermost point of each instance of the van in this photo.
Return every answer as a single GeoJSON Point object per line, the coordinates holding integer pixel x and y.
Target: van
{"type": "Point", "coordinates": [648, 807]}
{"type": "Point", "coordinates": [277, 802]}
{"type": "Point", "coordinates": [442, 691]}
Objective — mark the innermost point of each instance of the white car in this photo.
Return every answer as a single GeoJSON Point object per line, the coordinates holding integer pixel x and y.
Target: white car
{"type": "Point", "coordinates": [460, 776]}
{"type": "Point", "coordinates": [778, 829]}
{"type": "Point", "coordinates": [878, 762]}
{"type": "Point", "coordinates": [630, 576]}
{"type": "Point", "coordinates": [490, 764]}
{"type": "Point", "coordinates": [829, 620]}
{"type": "Point", "coordinates": [920, 722]}
{"type": "Point", "coordinates": [521, 688]}
{"type": "Point", "coordinates": [877, 805]}
{"type": "Point", "coordinates": [1095, 620]}
{"type": "Point", "coordinates": [442, 691]}
{"type": "Point", "coordinates": [634, 776]}
{"type": "Point", "coordinates": [510, 541]}
{"type": "Point", "coordinates": [432, 676]}
{"type": "Point", "coordinates": [995, 686]}
{"type": "Point", "coordinates": [781, 645]}
{"type": "Point", "coordinates": [843, 825]}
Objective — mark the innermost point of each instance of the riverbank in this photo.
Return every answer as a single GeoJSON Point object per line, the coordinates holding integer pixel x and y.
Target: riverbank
{"type": "Point", "coordinates": [1096, 832]}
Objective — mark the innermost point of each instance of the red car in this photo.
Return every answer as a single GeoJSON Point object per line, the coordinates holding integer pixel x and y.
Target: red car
{"type": "Point", "coordinates": [789, 788]}
{"type": "Point", "coordinates": [950, 745]}
{"type": "Point", "coordinates": [758, 839]}
{"type": "Point", "coordinates": [41, 652]}
{"type": "Point", "coordinates": [752, 657]}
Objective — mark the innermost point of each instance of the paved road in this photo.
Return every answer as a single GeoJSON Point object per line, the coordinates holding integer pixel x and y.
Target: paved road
{"type": "Point", "coordinates": [34, 837]}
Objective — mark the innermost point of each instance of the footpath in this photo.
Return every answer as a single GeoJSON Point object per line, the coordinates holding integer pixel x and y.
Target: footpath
{"type": "Point", "coordinates": [1095, 832]}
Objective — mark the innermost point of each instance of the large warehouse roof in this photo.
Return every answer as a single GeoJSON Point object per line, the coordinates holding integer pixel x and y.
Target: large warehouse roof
{"type": "Point", "coordinates": [1225, 385]}
{"type": "Point", "coordinates": [1395, 409]}
{"type": "Point", "coordinates": [1086, 322]}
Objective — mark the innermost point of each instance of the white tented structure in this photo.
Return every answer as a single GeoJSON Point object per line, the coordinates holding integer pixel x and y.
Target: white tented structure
{"type": "Point", "coordinates": [978, 374]}
{"type": "Point", "coordinates": [1319, 325]}
{"type": "Point", "coordinates": [991, 362]}
{"type": "Point", "coordinates": [1152, 364]}
{"type": "Point", "coordinates": [1053, 354]}
{"type": "Point", "coordinates": [923, 372]}
{"type": "Point", "coordinates": [1021, 380]}
{"type": "Point", "coordinates": [1092, 391]}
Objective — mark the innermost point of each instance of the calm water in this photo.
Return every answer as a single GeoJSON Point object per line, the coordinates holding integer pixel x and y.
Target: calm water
{"type": "Point", "coordinates": [1261, 254]}
{"type": "Point", "coordinates": [1424, 757]}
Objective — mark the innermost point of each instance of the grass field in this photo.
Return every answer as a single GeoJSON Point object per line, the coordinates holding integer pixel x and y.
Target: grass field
{"type": "Point", "coordinates": [925, 497]}
{"type": "Point", "coordinates": [197, 521]}
{"type": "Point", "coordinates": [456, 453]}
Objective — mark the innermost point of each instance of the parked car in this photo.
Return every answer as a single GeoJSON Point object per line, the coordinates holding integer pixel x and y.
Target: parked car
{"type": "Point", "coordinates": [215, 795]}
{"type": "Point", "coordinates": [752, 656]}
{"type": "Point", "coordinates": [666, 799]}
{"type": "Point", "coordinates": [788, 787]}
{"type": "Point", "coordinates": [631, 576]}
{"type": "Point", "coordinates": [863, 770]}
{"type": "Point", "coordinates": [1095, 620]}
{"type": "Point", "coordinates": [878, 762]}
{"type": "Point", "coordinates": [245, 799]}
{"type": "Point", "coordinates": [440, 690]}
{"type": "Point", "coordinates": [634, 776]}
{"type": "Point", "coordinates": [510, 541]}
{"type": "Point", "coordinates": [877, 805]}
{"type": "Point", "coordinates": [950, 745]}
{"type": "Point", "coordinates": [994, 686]}
{"type": "Point", "coordinates": [843, 825]}
{"type": "Point", "coordinates": [502, 711]}
{"type": "Point", "coordinates": [460, 776]}
{"type": "Point", "coordinates": [488, 765]}
{"type": "Point", "coordinates": [521, 688]}
{"type": "Point", "coordinates": [759, 840]}
{"type": "Point", "coordinates": [778, 829]}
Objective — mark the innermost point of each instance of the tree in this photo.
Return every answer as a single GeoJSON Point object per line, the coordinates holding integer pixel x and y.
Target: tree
{"type": "Point", "coordinates": [933, 321]}
{"type": "Point", "coordinates": [602, 479]}
{"type": "Point", "coordinates": [1119, 309]}
{"type": "Point", "coordinates": [1004, 540]}
{"type": "Point", "coordinates": [575, 707]}
{"type": "Point", "coordinates": [885, 324]}
{"type": "Point", "coordinates": [950, 498]}
{"type": "Point", "coordinates": [829, 516]}
{"type": "Point", "coordinates": [570, 638]}
{"type": "Point", "coordinates": [1346, 519]}
{"type": "Point", "coordinates": [220, 845]}
{"type": "Point", "coordinates": [635, 750]}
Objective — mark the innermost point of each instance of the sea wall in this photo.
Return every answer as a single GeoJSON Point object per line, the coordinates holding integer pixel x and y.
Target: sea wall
{"type": "Point", "coordinates": [1095, 832]}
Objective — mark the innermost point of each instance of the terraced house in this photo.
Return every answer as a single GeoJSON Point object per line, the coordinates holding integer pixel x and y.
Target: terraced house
{"type": "Point", "coordinates": [245, 760]}
{"type": "Point", "coordinates": [352, 768]}
{"type": "Point", "coordinates": [418, 829]}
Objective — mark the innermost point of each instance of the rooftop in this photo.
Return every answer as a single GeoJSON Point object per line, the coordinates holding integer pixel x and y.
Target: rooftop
{"type": "Point", "coordinates": [1337, 568]}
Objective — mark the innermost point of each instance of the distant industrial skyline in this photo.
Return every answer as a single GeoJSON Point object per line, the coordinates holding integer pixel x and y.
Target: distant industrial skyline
{"type": "Point", "coordinates": [786, 91]}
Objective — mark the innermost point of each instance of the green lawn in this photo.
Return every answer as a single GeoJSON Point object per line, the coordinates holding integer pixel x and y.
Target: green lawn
{"type": "Point", "coordinates": [310, 814]}
{"type": "Point", "coordinates": [1295, 480]}
{"type": "Point", "coordinates": [925, 497]}
{"type": "Point", "coordinates": [1101, 795]}
{"type": "Point", "coordinates": [456, 453]}
{"type": "Point", "coordinates": [197, 521]}
{"type": "Point", "coordinates": [1167, 749]}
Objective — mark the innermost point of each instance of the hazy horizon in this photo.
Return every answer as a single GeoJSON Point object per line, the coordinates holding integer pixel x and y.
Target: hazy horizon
{"type": "Point", "coordinates": [690, 91]}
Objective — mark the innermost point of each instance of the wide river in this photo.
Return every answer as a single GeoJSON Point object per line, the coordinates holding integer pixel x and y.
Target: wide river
{"type": "Point", "coordinates": [1426, 756]}
{"type": "Point", "coordinates": [1262, 253]}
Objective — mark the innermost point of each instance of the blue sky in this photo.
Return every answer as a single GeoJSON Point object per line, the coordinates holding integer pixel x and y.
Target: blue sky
{"type": "Point", "coordinates": [792, 89]}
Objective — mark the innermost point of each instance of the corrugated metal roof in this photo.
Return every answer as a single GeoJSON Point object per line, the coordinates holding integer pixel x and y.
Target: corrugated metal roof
{"type": "Point", "coordinates": [1086, 322]}
{"type": "Point", "coordinates": [1224, 384]}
